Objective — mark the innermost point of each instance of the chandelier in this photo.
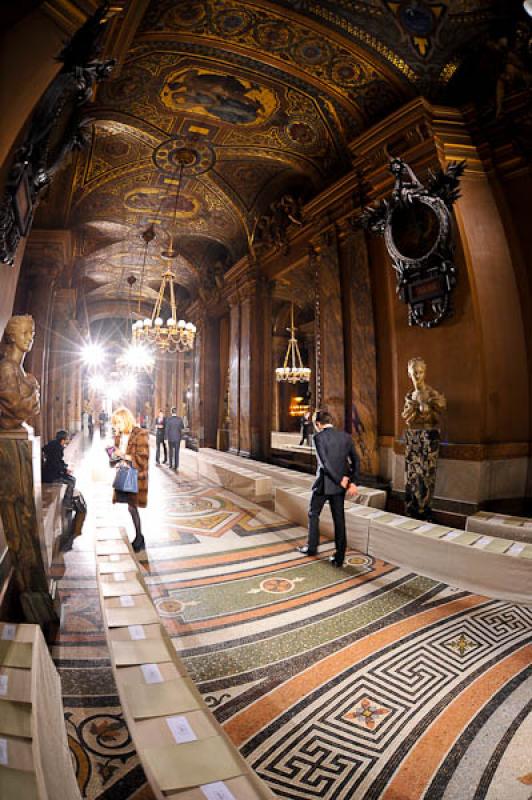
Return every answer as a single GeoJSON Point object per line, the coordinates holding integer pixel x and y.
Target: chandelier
{"type": "Point", "coordinates": [296, 372]}
{"type": "Point", "coordinates": [172, 335]}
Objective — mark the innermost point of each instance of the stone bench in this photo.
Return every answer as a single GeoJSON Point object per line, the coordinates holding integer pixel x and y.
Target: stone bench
{"type": "Point", "coordinates": [486, 565]}
{"type": "Point", "coordinates": [35, 760]}
{"type": "Point", "coordinates": [501, 525]}
{"type": "Point", "coordinates": [52, 495]}
{"type": "Point", "coordinates": [180, 744]}
{"type": "Point", "coordinates": [281, 477]}
{"type": "Point", "coordinates": [244, 482]}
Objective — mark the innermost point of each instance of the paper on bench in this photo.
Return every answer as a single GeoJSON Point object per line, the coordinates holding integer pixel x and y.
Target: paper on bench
{"type": "Point", "coordinates": [15, 719]}
{"type": "Point", "coordinates": [151, 673]}
{"type": "Point", "coordinates": [16, 654]}
{"type": "Point", "coordinates": [148, 651]}
{"type": "Point", "coordinates": [9, 631]}
{"type": "Point", "coordinates": [217, 791]}
{"type": "Point", "coordinates": [126, 587]}
{"type": "Point", "coordinates": [122, 617]}
{"type": "Point", "coordinates": [161, 699]}
{"type": "Point", "coordinates": [18, 783]}
{"type": "Point", "coordinates": [181, 729]}
{"type": "Point", "coordinates": [136, 632]}
{"type": "Point", "coordinates": [181, 766]}
{"type": "Point", "coordinates": [125, 565]}
{"type": "Point", "coordinates": [483, 541]}
{"type": "Point", "coordinates": [516, 548]}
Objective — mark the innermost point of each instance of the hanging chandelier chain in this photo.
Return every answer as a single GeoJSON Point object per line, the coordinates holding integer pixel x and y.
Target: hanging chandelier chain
{"type": "Point", "coordinates": [296, 372]}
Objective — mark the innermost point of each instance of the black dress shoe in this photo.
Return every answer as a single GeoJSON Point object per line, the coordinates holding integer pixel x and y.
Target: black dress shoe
{"type": "Point", "coordinates": [334, 562]}
{"type": "Point", "coordinates": [138, 544]}
{"type": "Point", "coordinates": [306, 552]}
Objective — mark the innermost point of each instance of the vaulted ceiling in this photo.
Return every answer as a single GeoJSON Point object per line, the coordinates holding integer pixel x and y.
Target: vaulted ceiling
{"type": "Point", "coordinates": [256, 99]}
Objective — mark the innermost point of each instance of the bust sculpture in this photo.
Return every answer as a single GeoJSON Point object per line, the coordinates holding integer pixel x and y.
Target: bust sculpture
{"type": "Point", "coordinates": [19, 391]}
{"type": "Point", "coordinates": [424, 406]}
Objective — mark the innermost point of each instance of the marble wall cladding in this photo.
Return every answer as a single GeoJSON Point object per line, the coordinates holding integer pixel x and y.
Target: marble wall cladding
{"type": "Point", "coordinates": [332, 367]}
{"type": "Point", "coordinates": [362, 405]}
{"type": "Point", "coordinates": [246, 334]}
{"type": "Point", "coordinates": [234, 376]}
{"type": "Point", "coordinates": [471, 481]}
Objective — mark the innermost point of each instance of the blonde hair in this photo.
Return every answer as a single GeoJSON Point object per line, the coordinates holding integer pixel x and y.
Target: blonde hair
{"type": "Point", "coordinates": [124, 416]}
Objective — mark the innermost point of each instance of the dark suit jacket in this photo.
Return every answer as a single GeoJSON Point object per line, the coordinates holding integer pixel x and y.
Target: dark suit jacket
{"type": "Point", "coordinates": [174, 426]}
{"type": "Point", "coordinates": [336, 457]}
{"type": "Point", "coordinates": [54, 466]}
{"type": "Point", "coordinates": [160, 432]}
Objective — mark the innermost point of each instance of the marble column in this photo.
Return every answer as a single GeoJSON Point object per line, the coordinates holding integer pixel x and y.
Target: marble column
{"type": "Point", "coordinates": [250, 368]}
{"type": "Point", "coordinates": [361, 357]}
{"type": "Point", "coordinates": [331, 364]}
{"type": "Point", "coordinates": [234, 372]}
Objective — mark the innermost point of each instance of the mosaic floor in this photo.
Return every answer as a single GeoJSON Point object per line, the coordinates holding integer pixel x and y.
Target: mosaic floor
{"type": "Point", "coordinates": [368, 683]}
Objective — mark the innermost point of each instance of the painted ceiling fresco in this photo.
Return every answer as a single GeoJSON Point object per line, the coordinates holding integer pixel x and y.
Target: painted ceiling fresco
{"type": "Point", "coordinates": [251, 100]}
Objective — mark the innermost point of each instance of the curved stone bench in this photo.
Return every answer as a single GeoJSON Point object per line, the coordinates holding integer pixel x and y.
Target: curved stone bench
{"type": "Point", "coordinates": [486, 565]}
{"type": "Point", "coordinates": [35, 761]}
{"type": "Point", "coordinates": [503, 526]}
{"type": "Point", "coordinates": [181, 745]}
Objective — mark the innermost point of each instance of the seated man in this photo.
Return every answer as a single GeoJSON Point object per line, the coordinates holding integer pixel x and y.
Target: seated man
{"type": "Point", "coordinates": [54, 469]}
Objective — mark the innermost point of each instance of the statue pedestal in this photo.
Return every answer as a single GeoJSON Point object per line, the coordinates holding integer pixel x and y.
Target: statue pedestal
{"type": "Point", "coordinates": [21, 512]}
{"type": "Point", "coordinates": [422, 448]}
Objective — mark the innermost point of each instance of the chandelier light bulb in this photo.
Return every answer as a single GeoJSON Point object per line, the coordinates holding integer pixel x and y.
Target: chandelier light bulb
{"type": "Point", "coordinates": [147, 323]}
{"type": "Point", "coordinates": [158, 322]}
{"type": "Point", "coordinates": [171, 323]}
{"type": "Point", "coordinates": [181, 323]}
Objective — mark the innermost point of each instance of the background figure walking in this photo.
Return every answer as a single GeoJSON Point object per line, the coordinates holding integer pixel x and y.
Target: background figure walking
{"type": "Point", "coordinates": [174, 428]}
{"type": "Point", "coordinates": [160, 434]}
{"type": "Point", "coordinates": [132, 445]}
{"type": "Point", "coordinates": [306, 428]}
{"type": "Point", "coordinates": [337, 473]}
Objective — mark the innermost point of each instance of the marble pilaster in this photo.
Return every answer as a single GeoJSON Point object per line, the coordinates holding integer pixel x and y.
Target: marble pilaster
{"type": "Point", "coordinates": [331, 356]}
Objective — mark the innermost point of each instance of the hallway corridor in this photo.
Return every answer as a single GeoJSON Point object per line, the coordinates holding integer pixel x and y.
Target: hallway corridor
{"type": "Point", "coordinates": [368, 682]}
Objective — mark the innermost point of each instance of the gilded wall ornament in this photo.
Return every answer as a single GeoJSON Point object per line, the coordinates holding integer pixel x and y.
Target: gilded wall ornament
{"type": "Point", "coordinates": [417, 226]}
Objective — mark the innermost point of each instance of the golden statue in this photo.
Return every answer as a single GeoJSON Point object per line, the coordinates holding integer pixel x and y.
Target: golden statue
{"type": "Point", "coordinates": [19, 391]}
{"type": "Point", "coordinates": [424, 406]}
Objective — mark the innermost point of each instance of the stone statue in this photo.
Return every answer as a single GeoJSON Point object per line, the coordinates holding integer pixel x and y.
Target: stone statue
{"type": "Point", "coordinates": [19, 391]}
{"type": "Point", "coordinates": [422, 414]}
{"type": "Point", "coordinates": [424, 406]}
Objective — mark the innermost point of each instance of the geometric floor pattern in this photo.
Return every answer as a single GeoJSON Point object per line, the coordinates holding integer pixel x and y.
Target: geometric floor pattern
{"type": "Point", "coordinates": [365, 683]}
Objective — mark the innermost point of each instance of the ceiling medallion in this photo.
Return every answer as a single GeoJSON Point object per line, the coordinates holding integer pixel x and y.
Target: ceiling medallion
{"type": "Point", "coordinates": [182, 153]}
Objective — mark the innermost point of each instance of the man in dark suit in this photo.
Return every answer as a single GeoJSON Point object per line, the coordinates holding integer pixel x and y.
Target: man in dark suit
{"type": "Point", "coordinates": [336, 475]}
{"type": "Point", "coordinates": [160, 433]}
{"type": "Point", "coordinates": [174, 426]}
{"type": "Point", "coordinates": [54, 469]}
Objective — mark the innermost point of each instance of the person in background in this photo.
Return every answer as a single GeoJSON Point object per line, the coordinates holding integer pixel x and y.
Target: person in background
{"type": "Point", "coordinates": [306, 428]}
{"type": "Point", "coordinates": [132, 444]}
{"type": "Point", "coordinates": [55, 470]}
{"type": "Point", "coordinates": [160, 434]}
{"type": "Point", "coordinates": [90, 424]}
{"type": "Point", "coordinates": [174, 428]}
{"type": "Point", "coordinates": [336, 476]}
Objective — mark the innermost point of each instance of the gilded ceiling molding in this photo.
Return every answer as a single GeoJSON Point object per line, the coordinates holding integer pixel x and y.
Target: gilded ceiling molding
{"type": "Point", "coordinates": [67, 14]}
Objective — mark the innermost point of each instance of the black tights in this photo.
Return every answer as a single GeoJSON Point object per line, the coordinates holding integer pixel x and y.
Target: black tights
{"type": "Point", "coordinates": [135, 516]}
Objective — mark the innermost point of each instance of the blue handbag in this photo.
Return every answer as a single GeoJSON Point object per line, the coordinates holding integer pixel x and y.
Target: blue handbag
{"type": "Point", "coordinates": [126, 479]}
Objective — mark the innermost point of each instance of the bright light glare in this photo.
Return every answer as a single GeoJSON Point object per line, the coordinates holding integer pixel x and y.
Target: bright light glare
{"type": "Point", "coordinates": [138, 356]}
{"type": "Point", "coordinates": [93, 354]}
{"type": "Point", "coordinates": [97, 383]}
{"type": "Point", "coordinates": [129, 383]}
